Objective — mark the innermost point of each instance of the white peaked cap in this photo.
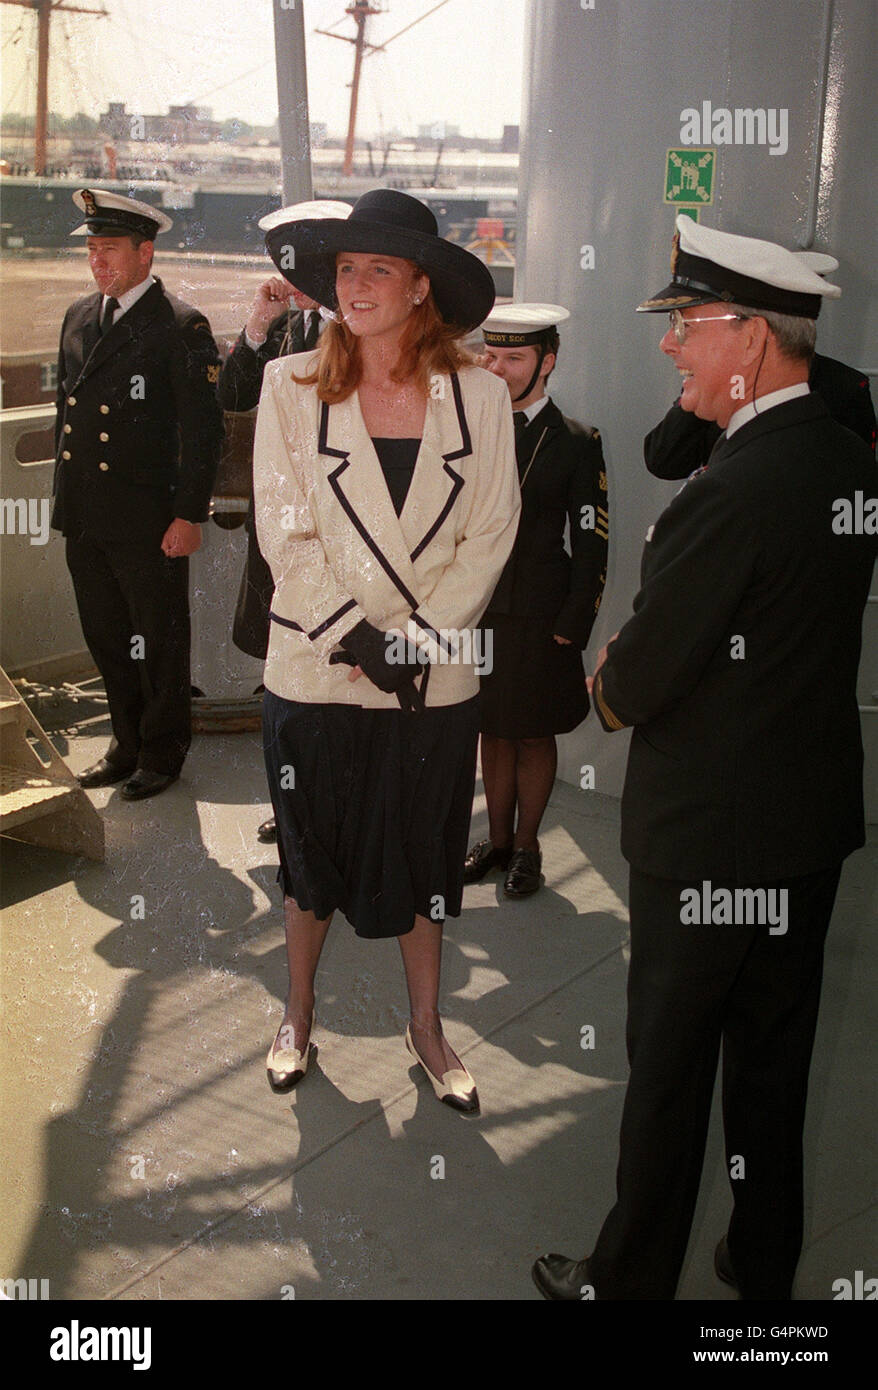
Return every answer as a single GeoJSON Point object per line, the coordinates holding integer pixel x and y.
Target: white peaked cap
{"type": "Point", "coordinates": [708, 265]}
{"type": "Point", "coordinates": [111, 214]}
{"type": "Point", "coordinates": [302, 212]}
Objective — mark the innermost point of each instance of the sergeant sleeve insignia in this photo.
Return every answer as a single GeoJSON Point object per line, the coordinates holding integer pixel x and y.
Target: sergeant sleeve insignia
{"type": "Point", "coordinates": [213, 372]}
{"type": "Point", "coordinates": [602, 523]}
{"type": "Point", "coordinates": [602, 481]}
{"type": "Point", "coordinates": [609, 720]}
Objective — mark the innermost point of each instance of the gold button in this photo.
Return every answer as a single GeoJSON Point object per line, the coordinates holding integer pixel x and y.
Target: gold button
{"type": "Point", "coordinates": [104, 438]}
{"type": "Point", "coordinates": [68, 429]}
{"type": "Point", "coordinates": [104, 467]}
{"type": "Point", "coordinates": [71, 400]}
{"type": "Point", "coordinates": [66, 454]}
{"type": "Point", "coordinates": [105, 410]}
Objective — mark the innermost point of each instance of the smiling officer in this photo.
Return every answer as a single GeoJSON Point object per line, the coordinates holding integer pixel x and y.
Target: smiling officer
{"type": "Point", "coordinates": [738, 674]}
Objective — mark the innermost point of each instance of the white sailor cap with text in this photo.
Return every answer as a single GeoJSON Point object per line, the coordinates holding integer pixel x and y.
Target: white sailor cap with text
{"type": "Point", "coordinates": [521, 324]}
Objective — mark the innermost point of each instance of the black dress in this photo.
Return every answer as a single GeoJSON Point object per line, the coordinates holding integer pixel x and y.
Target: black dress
{"type": "Point", "coordinates": [536, 686]}
{"type": "Point", "coordinates": [373, 805]}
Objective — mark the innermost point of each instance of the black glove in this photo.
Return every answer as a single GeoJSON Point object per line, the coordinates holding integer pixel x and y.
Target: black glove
{"type": "Point", "coordinates": [369, 648]}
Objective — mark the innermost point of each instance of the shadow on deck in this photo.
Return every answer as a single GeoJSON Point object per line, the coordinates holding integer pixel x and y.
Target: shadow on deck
{"type": "Point", "coordinates": [151, 1160]}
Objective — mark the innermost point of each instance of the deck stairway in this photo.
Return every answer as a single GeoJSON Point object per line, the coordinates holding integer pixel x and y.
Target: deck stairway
{"type": "Point", "coordinates": [40, 800]}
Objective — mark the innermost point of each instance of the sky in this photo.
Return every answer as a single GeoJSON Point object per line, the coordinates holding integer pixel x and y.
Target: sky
{"type": "Point", "coordinates": [461, 64]}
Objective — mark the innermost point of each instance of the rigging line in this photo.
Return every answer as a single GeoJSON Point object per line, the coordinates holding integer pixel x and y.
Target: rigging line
{"type": "Point", "coordinates": [15, 36]}
{"type": "Point", "coordinates": [137, 42]}
{"type": "Point", "coordinates": [234, 39]}
{"type": "Point", "coordinates": [80, 79]}
{"type": "Point", "coordinates": [7, 104]}
{"type": "Point", "coordinates": [24, 78]}
{"type": "Point", "coordinates": [240, 78]}
{"type": "Point", "coordinates": [413, 23]}
{"type": "Point", "coordinates": [330, 5]}
{"type": "Point", "coordinates": [142, 43]}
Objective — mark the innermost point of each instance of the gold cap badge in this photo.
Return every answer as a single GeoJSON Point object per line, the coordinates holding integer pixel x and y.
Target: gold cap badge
{"type": "Point", "coordinates": [675, 251]}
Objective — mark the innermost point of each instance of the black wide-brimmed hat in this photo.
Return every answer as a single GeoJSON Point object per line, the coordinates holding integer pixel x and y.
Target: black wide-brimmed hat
{"type": "Point", "coordinates": [384, 222]}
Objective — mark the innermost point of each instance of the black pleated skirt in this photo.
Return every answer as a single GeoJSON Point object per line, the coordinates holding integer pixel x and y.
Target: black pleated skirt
{"type": "Point", "coordinates": [372, 808]}
{"type": "Point", "coordinates": [536, 687]}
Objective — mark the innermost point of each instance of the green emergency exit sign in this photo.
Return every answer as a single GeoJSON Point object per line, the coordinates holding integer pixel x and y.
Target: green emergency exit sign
{"type": "Point", "coordinates": [689, 176]}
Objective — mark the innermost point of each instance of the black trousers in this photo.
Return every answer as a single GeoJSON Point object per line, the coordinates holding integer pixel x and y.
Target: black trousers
{"type": "Point", "coordinates": [124, 592]}
{"type": "Point", "coordinates": [690, 989]}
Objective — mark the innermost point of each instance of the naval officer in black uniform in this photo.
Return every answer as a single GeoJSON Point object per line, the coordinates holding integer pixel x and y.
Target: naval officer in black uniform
{"type": "Point", "coordinates": [681, 442]}
{"type": "Point", "coordinates": [541, 614]}
{"type": "Point", "coordinates": [743, 793]}
{"type": "Point", "coordinates": [138, 436]}
{"type": "Point", "coordinates": [269, 333]}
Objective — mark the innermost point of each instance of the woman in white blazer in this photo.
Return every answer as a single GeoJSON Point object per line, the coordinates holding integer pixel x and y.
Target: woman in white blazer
{"type": "Point", "coordinates": [386, 505]}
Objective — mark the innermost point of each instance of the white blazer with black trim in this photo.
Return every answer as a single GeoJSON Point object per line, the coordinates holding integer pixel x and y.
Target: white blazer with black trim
{"type": "Point", "coordinates": [339, 553]}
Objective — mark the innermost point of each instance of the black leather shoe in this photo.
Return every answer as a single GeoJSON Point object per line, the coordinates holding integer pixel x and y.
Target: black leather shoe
{"type": "Point", "coordinates": [267, 832]}
{"type": "Point", "coordinates": [144, 783]}
{"type": "Point", "coordinates": [103, 774]}
{"type": "Point", "coordinates": [722, 1264]}
{"type": "Point", "coordinates": [524, 875]}
{"type": "Point", "coordinates": [483, 857]}
{"type": "Point", "coordinates": [556, 1277]}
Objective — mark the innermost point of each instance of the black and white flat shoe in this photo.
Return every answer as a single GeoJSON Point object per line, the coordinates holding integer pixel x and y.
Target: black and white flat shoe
{"type": "Point", "coordinates": [285, 1064]}
{"type": "Point", "coordinates": [456, 1087]}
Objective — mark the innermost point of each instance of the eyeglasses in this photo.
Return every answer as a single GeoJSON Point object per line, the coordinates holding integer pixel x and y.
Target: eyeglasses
{"type": "Point", "coordinates": [680, 325]}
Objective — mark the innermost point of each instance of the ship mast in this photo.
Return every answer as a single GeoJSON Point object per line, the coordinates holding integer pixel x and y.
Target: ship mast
{"type": "Point", "coordinates": [359, 11]}
{"type": "Point", "coordinates": [44, 9]}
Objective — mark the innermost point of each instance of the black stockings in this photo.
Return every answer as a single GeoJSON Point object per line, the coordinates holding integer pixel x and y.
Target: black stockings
{"type": "Point", "coordinates": [518, 774]}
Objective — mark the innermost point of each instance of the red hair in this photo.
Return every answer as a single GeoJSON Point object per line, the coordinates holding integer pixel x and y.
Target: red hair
{"type": "Point", "coordinates": [428, 347]}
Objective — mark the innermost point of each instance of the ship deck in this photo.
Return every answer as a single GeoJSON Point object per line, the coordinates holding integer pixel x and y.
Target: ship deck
{"type": "Point", "coordinates": [148, 1159]}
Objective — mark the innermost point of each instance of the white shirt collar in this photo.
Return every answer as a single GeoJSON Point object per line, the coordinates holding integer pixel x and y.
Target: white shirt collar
{"type": "Point", "coordinates": [129, 298]}
{"type": "Point", "coordinates": [763, 403]}
{"type": "Point", "coordinates": [532, 410]}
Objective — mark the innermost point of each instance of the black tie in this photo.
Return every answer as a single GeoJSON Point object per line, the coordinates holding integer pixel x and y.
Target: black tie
{"type": "Point", "coordinates": [107, 318]}
{"type": "Point", "coordinates": [312, 332]}
{"type": "Point", "coordinates": [519, 421]}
